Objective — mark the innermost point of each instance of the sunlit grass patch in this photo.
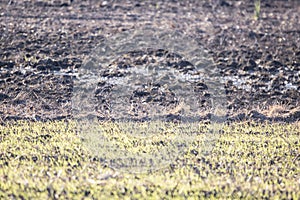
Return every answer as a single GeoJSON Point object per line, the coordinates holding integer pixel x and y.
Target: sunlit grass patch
{"type": "Point", "coordinates": [249, 160]}
{"type": "Point", "coordinates": [138, 146]}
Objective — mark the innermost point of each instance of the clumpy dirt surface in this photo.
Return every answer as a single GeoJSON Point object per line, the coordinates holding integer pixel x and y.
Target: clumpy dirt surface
{"type": "Point", "coordinates": [44, 43]}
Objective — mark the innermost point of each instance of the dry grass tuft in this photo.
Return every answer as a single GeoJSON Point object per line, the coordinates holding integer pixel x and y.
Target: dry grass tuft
{"type": "Point", "coordinates": [279, 110]}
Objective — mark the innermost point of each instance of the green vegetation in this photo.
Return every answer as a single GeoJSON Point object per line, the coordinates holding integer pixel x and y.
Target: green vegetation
{"type": "Point", "coordinates": [257, 9]}
{"type": "Point", "coordinates": [250, 160]}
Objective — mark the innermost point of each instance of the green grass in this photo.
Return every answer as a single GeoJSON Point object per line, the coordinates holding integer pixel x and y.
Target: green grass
{"type": "Point", "coordinates": [49, 161]}
{"type": "Point", "coordinates": [257, 9]}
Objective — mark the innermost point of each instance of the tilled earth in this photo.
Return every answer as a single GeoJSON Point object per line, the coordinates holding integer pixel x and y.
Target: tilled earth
{"type": "Point", "coordinates": [44, 43]}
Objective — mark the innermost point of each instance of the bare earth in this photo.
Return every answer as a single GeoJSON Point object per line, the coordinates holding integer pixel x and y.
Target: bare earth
{"type": "Point", "coordinates": [43, 44]}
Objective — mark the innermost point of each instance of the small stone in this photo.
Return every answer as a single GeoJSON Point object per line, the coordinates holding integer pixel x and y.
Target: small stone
{"type": "Point", "coordinates": [194, 152]}
{"type": "Point", "coordinates": [104, 3]}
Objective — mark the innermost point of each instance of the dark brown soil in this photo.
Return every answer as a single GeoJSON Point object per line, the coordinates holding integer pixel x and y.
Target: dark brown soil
{"type": "Point", "coordinates": [43, 43]}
